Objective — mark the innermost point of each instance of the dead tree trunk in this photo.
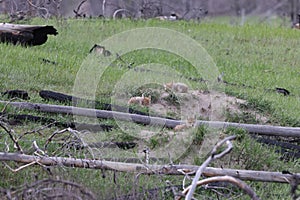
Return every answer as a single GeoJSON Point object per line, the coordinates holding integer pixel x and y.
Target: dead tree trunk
{"type": "Point", "coordinates": [147, 120]}
{"type": "Point", "coordinates": [28, 35]}
{"type": "Point", "coordinates": [249, 175]}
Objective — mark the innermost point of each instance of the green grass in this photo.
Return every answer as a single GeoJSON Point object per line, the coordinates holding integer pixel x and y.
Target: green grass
{"type": "Point", "coordinates": [259, 56]}
{"type": "Point", "coordinates": [256, 58]}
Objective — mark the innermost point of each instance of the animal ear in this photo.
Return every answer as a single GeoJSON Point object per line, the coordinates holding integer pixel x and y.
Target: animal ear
{"type": "Point", "coordinates": [166, 86]}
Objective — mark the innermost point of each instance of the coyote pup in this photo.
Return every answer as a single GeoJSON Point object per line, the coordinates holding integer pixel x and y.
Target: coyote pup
{"type": "Point", "coordinates": [176, 87]}
{"type": "Point", "coordinates": [189, 123]}
{"type": "Point", "coordinates": [143, 101]}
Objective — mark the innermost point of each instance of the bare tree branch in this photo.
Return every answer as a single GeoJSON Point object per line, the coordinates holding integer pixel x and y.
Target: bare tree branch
{"type": "Point", "coordinates": [242, 185]}
{"type": "Point", "coordinates": [8, 102]}
{"type": "Point", "coordinates": [213, 156]}
{"type": "Point", "coordinates": [295, 180]}
{"type": "Point", "coordinates": [103, 8]}
{"type": "Point", "coordinates": [37, 149]}
{"type": "Point", "coordinates": [20, 168]}
{"type": "Point", "coordinates": [52, 136]}
{"type": "Point", "coordinates": [38, 130]}
{"type": "Point", "coordinates": [39, 8]}
{"type": "Point", "coordinates": [120, 10]}
{"type": "Point", "coordinates": [59, 189]}
{"type": "Point", "coordinates": [12, 137]}
{"type": "Point", "coordinates": [77, 14]}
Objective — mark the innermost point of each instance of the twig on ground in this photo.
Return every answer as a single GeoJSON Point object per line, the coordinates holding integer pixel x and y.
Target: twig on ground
{"type": "Point", "coordinates": [20, 168]}
{"type": "Point", "coordinates": [173, 189]}
{"type": "Point", "coordinates": [37, 149]}
{"type": "Point", "coordinates": [52, 136]}
{"type": "Point", "coordinates": [186, 173]}
{"type": "Point", "coordinates": [7, 104]}
{"type": "Point", "coordinates": [294, 182]}
{"type": "Point", "coordinates": [6, 146]}
{"type": "Point", "coordinates": [70, 142]}
{"type": "Point", "coordinates": [123, 61]}
{"type": "Point", "coordinates": [36, 130]}
{"type": "Point", "coordinates": [59, 188]}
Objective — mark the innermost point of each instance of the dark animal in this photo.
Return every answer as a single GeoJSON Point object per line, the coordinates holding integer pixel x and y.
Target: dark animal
{"type": "Point", "coordinates": [27, 35]}
{"type": "Point", "coordinates": [283, 91]}
{"type": "Point", "coordinates": [16, 94]}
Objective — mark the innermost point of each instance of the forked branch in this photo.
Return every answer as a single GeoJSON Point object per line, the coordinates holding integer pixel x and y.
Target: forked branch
{"type": "Point", "coordinates": [213, 155]}
{"type": "Point", "coordinates": [248, 190]}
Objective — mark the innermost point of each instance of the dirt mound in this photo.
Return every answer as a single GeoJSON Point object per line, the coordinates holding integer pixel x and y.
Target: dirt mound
{"type": "Point", "coordinates": [200, 105]}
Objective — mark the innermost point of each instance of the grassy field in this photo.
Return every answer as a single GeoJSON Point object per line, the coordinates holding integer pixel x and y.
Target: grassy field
{"type": "Point", "coordinates": [260, 56]}
{"type": "Point", "coordinates": [255, 58]}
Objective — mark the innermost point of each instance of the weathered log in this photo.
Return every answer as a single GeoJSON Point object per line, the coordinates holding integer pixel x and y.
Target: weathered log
{"type": "Point", "coordinates": [169, 123]}
{"type": "Point", "coordinates": [14, 119]}
{"type": "Point", "coordinates": [64, 98]}
{"type": "Point", "coordinates": [289, 151]}
{"type": "Point", "coordinates": [121, 145]}
{"type": "Point", "coordinates": [250, 175]}
{"type": "Point", "coordinates": [28, 35]}
{"type": "Point", "coordinates": [68, 99]}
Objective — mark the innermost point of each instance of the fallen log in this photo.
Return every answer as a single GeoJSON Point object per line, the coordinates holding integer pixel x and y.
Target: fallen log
{"type": "Point", "coordinates": [15, 119]}
{"type": "Point", "coordinates": [121, 145]}
{"type": "Point", "coordinates": [249, 175]}
{"type": "Point", "coordinates": [288, 150]}
{"type": "Point", "coordinates": [146, 120]}
{"type": "Point", "coordinates": [28, 35]}
{"type": "Point", "coordinates": [64, 98]}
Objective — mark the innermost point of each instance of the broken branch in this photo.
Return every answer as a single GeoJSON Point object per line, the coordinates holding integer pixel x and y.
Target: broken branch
{"type": "Point", "coordinates": [10, 133]}
{"type": "Point", "coordinates": [229, 179]}
{"type": "Point", "coordinates": [212, 157]}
